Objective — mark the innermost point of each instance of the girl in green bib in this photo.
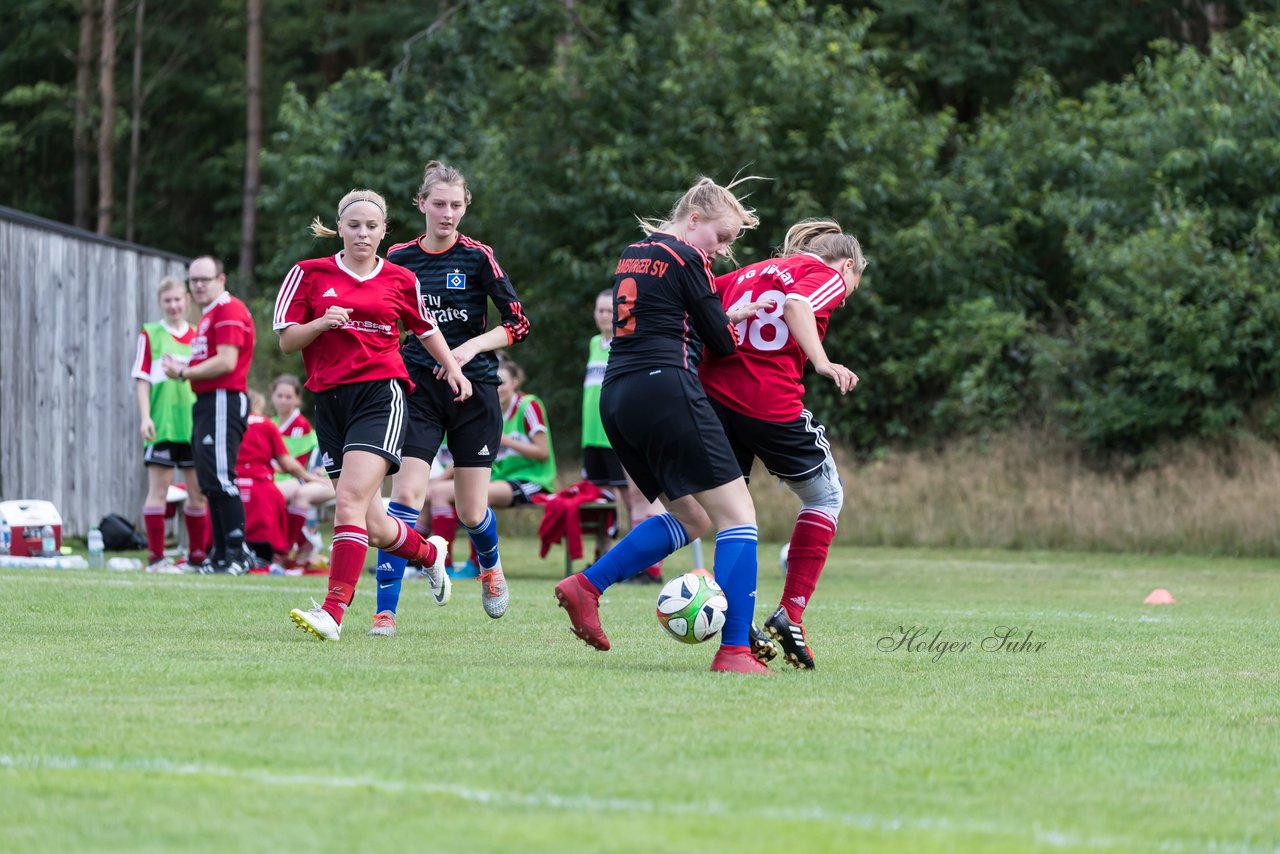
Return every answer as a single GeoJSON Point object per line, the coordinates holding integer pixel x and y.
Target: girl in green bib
{"type": "Point", "coordinates": [164, 405]}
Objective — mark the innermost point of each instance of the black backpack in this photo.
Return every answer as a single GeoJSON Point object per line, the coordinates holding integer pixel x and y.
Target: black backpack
{"type": "Point", "coordinates": [119, 535]}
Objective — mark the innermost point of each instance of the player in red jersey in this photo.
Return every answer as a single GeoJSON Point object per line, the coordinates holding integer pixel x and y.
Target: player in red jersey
{"type": "Point", "coordinates": [659, 420]}
{"type": "Point", "coordinates": [266, 520]}
{"type": "Point", "coordinates": [165, 408]}
{"type": "Point", "coordinates": [344, 313]}
{"type": "Point", "coordinates": [757, 391]}
{"type": "Point", "coordinates": [218, 371]}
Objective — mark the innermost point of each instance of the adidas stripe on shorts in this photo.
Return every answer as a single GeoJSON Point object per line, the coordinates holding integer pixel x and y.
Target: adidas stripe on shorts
{"type": "Point", "coordinates": [367, 416]}
{"type": "Point", "coordinates": [474, 427]}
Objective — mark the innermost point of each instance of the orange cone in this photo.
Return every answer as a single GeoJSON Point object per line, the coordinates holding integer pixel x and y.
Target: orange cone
{"type": "Point", "coordinates": [1160, 596]}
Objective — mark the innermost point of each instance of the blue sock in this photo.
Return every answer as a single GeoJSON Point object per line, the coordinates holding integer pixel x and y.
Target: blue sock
{"type": "Point", "coordinates": [649, 542]}
{"type": "Point", "coordinates": [390, 572]}
{"type": "Point", "coordinates": [735, 570]}
{"type": "Point", "coordinates": [485, 538]}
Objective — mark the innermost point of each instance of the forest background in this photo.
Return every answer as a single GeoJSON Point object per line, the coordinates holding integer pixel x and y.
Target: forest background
{"type": "Point", "coordinates": [1070, 207]}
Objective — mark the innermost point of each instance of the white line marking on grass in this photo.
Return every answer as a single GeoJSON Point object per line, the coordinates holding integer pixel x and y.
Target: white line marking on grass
{"type": "Point", "coordinates": [588, 803]}
{"type": "Point", "coordinates": [996, 610]}
{"type": "Point", "coordinates": [273, 587]}
{"type": "Point", "coordinates": [143, 581]}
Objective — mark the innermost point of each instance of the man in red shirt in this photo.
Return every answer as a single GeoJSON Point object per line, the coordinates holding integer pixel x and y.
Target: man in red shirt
{"type": "Point", "coordinates": [218, 372]}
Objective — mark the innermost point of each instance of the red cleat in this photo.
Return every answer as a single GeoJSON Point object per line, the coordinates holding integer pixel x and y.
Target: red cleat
{"type": "Point", "coordinates": [736, 659]}
{"type": "Point", "coordinates": [581, 601]}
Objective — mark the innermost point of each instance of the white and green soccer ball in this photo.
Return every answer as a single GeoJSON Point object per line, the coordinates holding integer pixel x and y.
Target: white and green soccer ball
{"type": "Point", "coordinates": [691, 607]}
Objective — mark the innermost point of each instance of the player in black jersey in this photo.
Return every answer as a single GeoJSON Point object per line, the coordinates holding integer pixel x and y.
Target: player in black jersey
{"type": "Point", "coordinates": [458, 277]}
{"type": "Point", "coordinates": [660, 423]}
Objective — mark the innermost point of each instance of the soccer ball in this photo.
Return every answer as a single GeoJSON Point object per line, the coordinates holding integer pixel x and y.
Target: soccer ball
{"type": "Point", "coordinates": [782, 557]}
{"type": "Point", "coordinates": [691, 607]}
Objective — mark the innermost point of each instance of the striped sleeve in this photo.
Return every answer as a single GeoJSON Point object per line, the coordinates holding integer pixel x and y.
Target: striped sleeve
{"type": "Point", "coordinates": [142, 358]}
{"type": "Point", "coordinates": [502, 292]}
{"type": "Point", "coordinates": [710, 319]}
{"type": "Point", "coordinates": [829, 294]}
{"type": "Point", "coordinates": [535, 420]}
{"type": "Point", "coordinates": [291, 304]}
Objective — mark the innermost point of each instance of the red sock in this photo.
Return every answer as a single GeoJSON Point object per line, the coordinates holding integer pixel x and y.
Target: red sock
{"type": "Point", "coordinates": [444, 524]}
{"type": "Point", "coordinates": [198, 533]}
{"type": "Point", "coordinates": [297, 521]}
{"type": "Point", "coordinates": [810, 542]}
{"type": "Point", "coordinates": [411, 545]}
{"type": "Point", "coordinates": [153, 521]}
{"type": "Point", "coordinates": [346, 562]}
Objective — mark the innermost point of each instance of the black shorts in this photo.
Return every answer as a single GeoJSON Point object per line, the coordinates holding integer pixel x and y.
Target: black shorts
{"type": "Point", "coordinates": [367, 416]}
{"type": "Point", "coordinates": [474, 427]}
{"type": "Point", "coordinates": [218, 420]}
{"type": "Point", "coordinates": [602, 467]}
{"type": "Point", "coordinates": [665, 432]}
{"type": "Point", "coordinates": [522, 492]}
{"type": "Point", "coordinates": [790, 450]}
{"type": "Point", "coordinates": [174, 455]}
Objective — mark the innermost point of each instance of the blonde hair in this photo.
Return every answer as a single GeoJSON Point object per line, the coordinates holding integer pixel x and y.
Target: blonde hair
{"type": "Point", "coordinates": [170, 283]}
{"type": "Point", "coordinates": [824, 238]}
{"type": "Point", "coordinates": [436, 172]}
{"type": "Point", "coordinates": [257, 403]}
{"type": "Point", "coordinates": [715, 203]}
{"type": "Point", "coordinates": [319, 229]}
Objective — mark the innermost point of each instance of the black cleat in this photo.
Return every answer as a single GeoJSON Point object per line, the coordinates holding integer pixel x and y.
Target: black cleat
{"type": "Point", "coordinates": [762, 648]}
{"type": "Point", "coordinates": [791, 636]}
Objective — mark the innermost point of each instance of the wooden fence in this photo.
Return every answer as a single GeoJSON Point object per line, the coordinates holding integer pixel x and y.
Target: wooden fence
{"type": "Point", "coordinates": [71, 306]}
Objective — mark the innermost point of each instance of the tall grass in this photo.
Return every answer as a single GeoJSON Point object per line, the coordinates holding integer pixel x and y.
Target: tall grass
{"type": "Point", "coordinates": [1026, 491]}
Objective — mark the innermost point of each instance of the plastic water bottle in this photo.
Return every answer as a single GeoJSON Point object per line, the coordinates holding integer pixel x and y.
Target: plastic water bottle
{"type": "Point", "coordinates": [48, 543]}
{"type": "Point", "coordinates": [97, 558]}
{"type": "Point", "coordinates": [6, 535]}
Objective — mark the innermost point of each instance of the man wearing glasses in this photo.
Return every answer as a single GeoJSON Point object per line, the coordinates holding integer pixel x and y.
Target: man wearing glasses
{"type": "Point", "coordinates": [219, 371]}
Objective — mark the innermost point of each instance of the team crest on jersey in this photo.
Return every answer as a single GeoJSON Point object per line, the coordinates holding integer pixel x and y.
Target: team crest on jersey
{"type": "Point", "coordinates": [455, 281]}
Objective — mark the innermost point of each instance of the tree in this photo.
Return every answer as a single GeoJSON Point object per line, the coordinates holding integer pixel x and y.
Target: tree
{"type": "Point", "coordinates": [83, 139]}
{"type": "Point", "coordinates": [107, 127]}
{"type": "Point", "coordinates": [253, 144]}
{"type": "Point", "coordinates": [135, 122]}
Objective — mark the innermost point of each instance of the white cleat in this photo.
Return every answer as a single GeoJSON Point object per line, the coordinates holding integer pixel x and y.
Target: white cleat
{"type": "Point", "coordinates": [493, 591]}
{"type": "Point", "coordinates": [316, 621]}
{"type": "Point", "coordinates": [437, 579]}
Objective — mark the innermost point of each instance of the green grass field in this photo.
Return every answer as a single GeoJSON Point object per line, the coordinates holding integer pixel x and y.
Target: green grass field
{"type": "Point", "coordinates": [186, 712]}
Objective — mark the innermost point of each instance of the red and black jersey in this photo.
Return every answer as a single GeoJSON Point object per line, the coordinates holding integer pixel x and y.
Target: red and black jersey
{"type": "Point", "coordinates": [665, 307]}
{"type": "Point", "coordinates": [260, 447]}
{"type": "Point", "coordinates": [368, 347]}
{"type": "Point", "coordinates": [457, 286]}
{"type": "Point", "coordinates": [763, 377]}
{"type": "Point", "coordinates": [225, 321]}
